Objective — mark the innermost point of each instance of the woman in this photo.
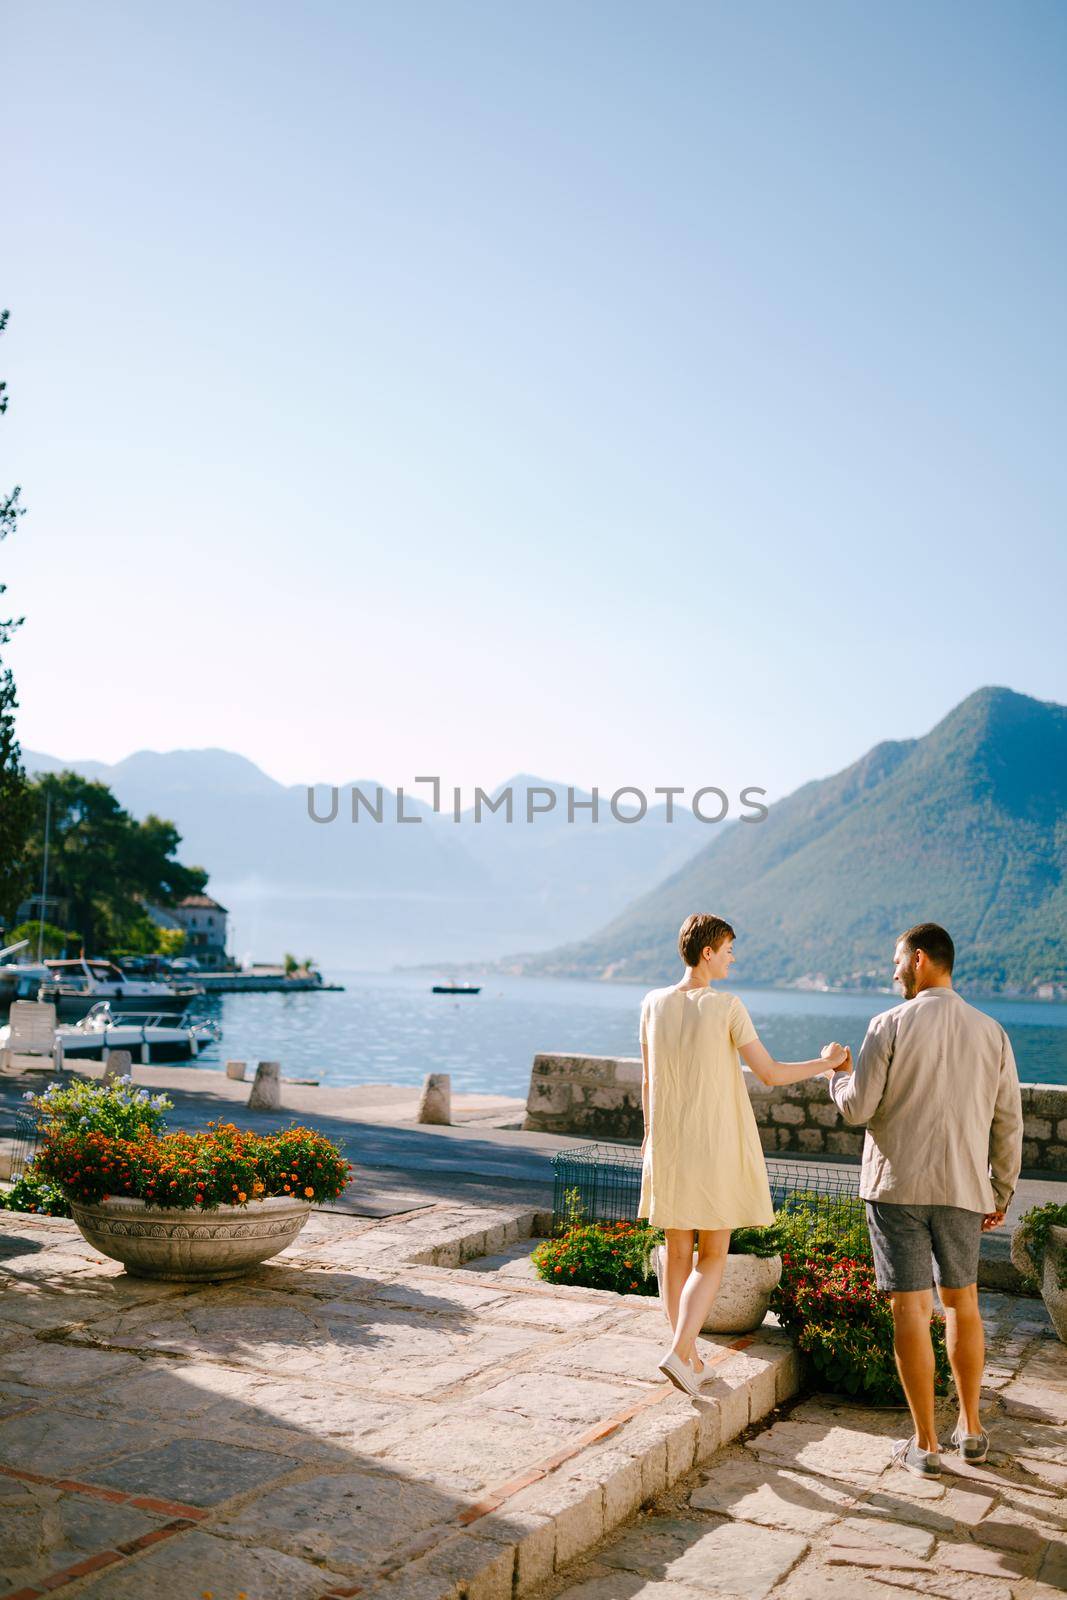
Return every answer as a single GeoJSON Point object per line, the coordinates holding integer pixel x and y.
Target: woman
{"type": "Point", "coordinates": [703, 1170]}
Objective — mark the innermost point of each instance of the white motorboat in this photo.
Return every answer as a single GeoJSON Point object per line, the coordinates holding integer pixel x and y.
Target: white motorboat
{"type": "Point", "coordinates": [75, 986]}
{"type": "Point", "coordinates": [20, 980]}
{"type": "Point", "coordinates": [148, 1036]}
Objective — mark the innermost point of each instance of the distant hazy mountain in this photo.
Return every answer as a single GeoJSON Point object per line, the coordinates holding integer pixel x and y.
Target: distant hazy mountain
{"type": "Point", "coordinates": [373, 894]}
{"type": "Point", "coordinates": [966, 826]}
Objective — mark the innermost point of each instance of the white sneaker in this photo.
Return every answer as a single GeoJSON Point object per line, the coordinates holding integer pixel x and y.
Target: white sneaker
{"type": "Point", "coordinates": [681, 1374]}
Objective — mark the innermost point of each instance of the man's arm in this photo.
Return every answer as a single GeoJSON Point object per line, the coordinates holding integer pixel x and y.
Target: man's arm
{"type": "Point", "coordinates": [858, 1094]}
{"type": "Point", "coordinates": [1006, 1132]}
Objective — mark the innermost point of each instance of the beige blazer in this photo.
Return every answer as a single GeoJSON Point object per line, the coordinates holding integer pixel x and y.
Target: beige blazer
{"type": "Point", "coordinates": [937, 1088]}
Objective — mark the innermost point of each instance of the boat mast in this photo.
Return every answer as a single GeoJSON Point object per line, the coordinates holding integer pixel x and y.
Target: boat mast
{"type": "Point", "coordinates": [44, 873]}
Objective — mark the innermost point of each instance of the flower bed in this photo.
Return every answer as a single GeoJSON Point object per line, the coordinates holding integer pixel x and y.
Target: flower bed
{"type": "Point", "coordinates": [827, 1297]}
{"type": "Point", "coordinates": [829, 1301]}
{"type": "Point", "coordinates": [224, 1166]}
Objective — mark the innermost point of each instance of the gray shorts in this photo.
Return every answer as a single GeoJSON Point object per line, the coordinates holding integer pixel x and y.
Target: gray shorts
{"type": "Point", "coordinates": [905, 1238]}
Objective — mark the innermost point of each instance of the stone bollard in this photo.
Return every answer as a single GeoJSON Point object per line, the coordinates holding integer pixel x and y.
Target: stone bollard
{"type": "Point", "coordinates": [267, 1089]}
{"type": "Point", "coordinates": [117, 1064]}
{"type": "Point", "coordinates": [236, 1069]}
{"type": "Point", "coordinates": [435, 1102]}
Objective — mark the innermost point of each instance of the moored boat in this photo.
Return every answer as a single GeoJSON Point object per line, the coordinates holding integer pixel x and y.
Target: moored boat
{"type": "Point", "coordinates": [149, 1036]}
{"type": "Point", "coordinates": [73, 987]}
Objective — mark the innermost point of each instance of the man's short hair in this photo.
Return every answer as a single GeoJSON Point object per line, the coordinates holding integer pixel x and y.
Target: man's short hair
{"type": "Point", "coordinates": [933, 941]}
{"type": "Point", "coordinates": [697, 932]}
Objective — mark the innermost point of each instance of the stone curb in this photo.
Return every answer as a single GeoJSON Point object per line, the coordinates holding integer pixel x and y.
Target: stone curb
{"type": "Point", "coordinates": [521, 1532]}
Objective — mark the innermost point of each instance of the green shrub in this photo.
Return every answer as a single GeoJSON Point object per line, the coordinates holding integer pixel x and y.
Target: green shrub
{"type": "Point", "coordinates": [33, 1192]}
{"type": "Point", "coordinates": [1033, 1237]}
{"type": "Point", "coordinates": [828, 1301]}
{"type": "Point", "coordinates": [601, 1255]}
{"type": "Point", "coordinates": [117, 1109]}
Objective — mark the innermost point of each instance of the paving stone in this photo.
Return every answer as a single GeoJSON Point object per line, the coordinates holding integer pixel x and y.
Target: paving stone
{"type": "Point", "coordinates": [569, 1399]}
{"type": "Point", "coordinates": [834, 1452]}
{"type": "Point", "coordinates": [717, 1556]}
{"type": "Point", "coordinates": [628, 1586]}
{"type": "Point", "coordinates": [1004, 1533]}
{"type": "Point", "coordinates": [575, 1507]}
{"type": "Point", "coordinates": [185, 1471]}
{"type": "Point", "coordinates": [967, 1506]}
{"type": "Point", "coordinates": [1035, 1400]}
{"type": "Point", "coordinates": [612, 1354]}
{"type": "Point", "coordinates": [885, 1558]}
{"type": "Point", "coordinates": [186, 1566]}
{"type": "Point", "coordinates": [1053, 1569]}
{"type": "Point", "coordinates": [814, 1580]}
{"type": "Point", "coordinates": [739, 1486]}
{"type": "Point", "coordinates": [531, 1535]}
{"type": "Point", "coordinates": [1051, 1473]}
{"type": "Point", "coordinates": [47, 1531]}
{"type": "Point", "coordinates": [353, 1521]}
{"type": "Point", "coordinates": [471, 1447]}
{"type": "Point", "coordinates": [620, 1478]}
{"type": "Point", "coordinates": [463, 1566]}
{"type": "Point", "coordinates": [974, 1558]}
{"type": "Point", "coordinates": [41, 1368]}
{"type": "Point", "coordinates": [753, 1376]}
{"type": "Point", "coordinates": [543, 1312]}
{"type": "Point", "coordinates": [904, 1536]}
{"type": "Point", "coordinates": [451, 1297]}
{"type": "Point", "coordinates": [60, 1444]}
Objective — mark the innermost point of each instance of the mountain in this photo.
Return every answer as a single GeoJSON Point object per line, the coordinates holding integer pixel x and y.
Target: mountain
{"type": "Point", "coordinates": [376, 894]}
{"type": "Point", "coordinates": [966, 826]}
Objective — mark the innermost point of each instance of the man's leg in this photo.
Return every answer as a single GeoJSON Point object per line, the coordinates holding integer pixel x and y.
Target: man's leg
{"type": "Point", "coordinates": [914, 1351]}
{"type": "Point", "coordinates": [701, 1287]}
{"type": "Point", "coordinates": [965, 1341]}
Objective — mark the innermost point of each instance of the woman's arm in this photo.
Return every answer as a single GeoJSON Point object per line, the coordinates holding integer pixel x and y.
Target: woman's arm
{"type": "Point", "coordinates": [776, 1073]}
{"type": "Point", "coordinates": [644, 1090]}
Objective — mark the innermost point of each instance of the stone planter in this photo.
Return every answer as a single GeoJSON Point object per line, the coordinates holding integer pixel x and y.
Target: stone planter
{"type": "Point", "coordinates": [152, 1242]}
{"type": "Point", "coordinates": [744, 1296]}
{"type": "Point", "coordinates": [1054, 1297]}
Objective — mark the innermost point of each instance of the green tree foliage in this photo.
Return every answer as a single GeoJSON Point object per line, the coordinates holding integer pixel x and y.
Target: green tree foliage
{"type": "Point", "coordinates": [54, 941]}
{"type": "Point", "coordinates": [15, 810]}
{"type": "Point", "coordinates": [104, 863]}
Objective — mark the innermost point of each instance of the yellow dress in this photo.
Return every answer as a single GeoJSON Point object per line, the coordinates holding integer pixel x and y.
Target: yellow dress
{"type": "Point", "coordinates": [703, 1165]}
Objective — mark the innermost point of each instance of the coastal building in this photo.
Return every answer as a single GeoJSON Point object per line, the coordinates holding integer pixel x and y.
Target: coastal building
{"type": "Point", "coordinates": [204, 922]}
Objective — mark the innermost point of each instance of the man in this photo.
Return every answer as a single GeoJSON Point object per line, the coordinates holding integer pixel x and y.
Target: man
{"type": "Point", "coordinates": [937, 1088]}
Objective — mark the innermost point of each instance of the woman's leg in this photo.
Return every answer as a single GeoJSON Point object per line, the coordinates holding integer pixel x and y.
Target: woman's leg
{"type": "Point", "coordinates": [677, 1265]}
{"type": "Point", "coordinates": [700, 1289]}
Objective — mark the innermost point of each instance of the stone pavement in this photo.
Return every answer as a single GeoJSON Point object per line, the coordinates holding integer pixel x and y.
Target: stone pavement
{"type": "Point", "coordinates": [364, 1415]}
{"type": "Point", "coordinates": [807, 1508]}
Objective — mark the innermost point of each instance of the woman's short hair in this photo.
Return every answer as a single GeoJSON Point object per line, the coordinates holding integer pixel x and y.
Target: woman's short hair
{"type": "Point", "coordinates": [697, 932]}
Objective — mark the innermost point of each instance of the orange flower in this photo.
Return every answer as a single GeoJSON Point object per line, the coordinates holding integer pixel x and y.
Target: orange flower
{"type": "Point", "coordinates": [242, 1197]}
{"type": "Point", "coordinates": [310, 1193]}
{"type": "Point", "coordinates": [287, 1189]}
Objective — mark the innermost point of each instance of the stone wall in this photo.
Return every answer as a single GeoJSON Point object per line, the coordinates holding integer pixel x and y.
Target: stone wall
{"type": "Point", "coordinates": [599, 1097]}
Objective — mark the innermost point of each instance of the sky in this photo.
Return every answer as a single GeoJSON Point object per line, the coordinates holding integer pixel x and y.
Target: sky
{"type": "Point", "coordinates": [619, 393]}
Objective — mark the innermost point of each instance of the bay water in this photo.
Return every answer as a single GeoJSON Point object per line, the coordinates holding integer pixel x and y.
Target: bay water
{"type": "Point", "coordinates": [390, 1028]}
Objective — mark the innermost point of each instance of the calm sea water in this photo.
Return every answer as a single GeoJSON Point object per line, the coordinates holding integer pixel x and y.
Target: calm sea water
{"type": "Point", "coordinates": [389, 1028]}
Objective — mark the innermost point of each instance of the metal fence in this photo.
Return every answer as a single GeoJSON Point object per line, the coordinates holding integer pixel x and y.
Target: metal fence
{"type": "Point", "coordinates": [24, 1143]}
{"type": "Point", "coordinates": [602, 1183]}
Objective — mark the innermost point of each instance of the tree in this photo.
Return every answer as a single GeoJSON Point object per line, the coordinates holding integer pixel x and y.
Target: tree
{"type": "Point", "coordinates": [105, 864]}
{"type": "Point", "coordinates": [15, 808]}
{"type": "Point", "coordinates": [54, 941]}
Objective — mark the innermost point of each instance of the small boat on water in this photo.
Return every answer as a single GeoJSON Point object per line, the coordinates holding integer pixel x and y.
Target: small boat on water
{"type": "Point", "coordinates": [150, 1037]}
{"type": "Point", "coordinates": [73, 987]}
{"type": "Point", "coordinates": [457, 988]}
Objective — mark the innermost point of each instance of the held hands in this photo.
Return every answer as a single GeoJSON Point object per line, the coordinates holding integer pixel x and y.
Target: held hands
{"type": "Point", "coordinates": [838, 1058]}
{"type": "Point", "coordinates": [991, 1220]}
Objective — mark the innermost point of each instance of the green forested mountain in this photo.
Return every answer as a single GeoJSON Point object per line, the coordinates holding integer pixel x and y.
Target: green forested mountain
{"type": "Point", "coordinates": [966, 826]}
